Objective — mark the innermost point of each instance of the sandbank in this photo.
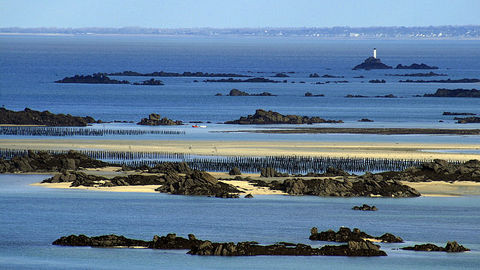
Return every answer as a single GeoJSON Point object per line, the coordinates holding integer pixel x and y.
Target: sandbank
{"type": "Point", "coordinates": [445, 189]}
{"type": "Point", "coordinates": [258, 148]}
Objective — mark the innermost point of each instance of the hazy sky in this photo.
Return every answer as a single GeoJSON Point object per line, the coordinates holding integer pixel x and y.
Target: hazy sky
{"type": "Point", "coordinates": [237, 13]}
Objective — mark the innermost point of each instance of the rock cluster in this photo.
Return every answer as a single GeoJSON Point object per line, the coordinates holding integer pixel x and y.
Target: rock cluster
{"type": "Point", "coordinates": [197, 183]}
{"type": "Point", "coordinates": [457, 113]}
{"type": "Point", "coordinates": [353, 248]}
{"type": "Point", "coordinates": [176, 74]}
{"type": "Point", "coordinates": [237, 93]}
{"type": "Point", "coordinates": [442, 92]}
{"type": "Point", "coordinates": [46, 162]}
{"type": "Point", "coordinates": [344, 234]}
{"type": "Point", "coordinates": [438, 170]}
{"type": "Point", "coordinates": [467, 120]}
{"type": "Point", "coordinates": [363, 186]}
{"type": "Point", "coordinates": [96, 78]}
{"type": "Point", "coordinates": [464, 80]}
{"type": "Point", "coordinates": [365, 207]}
{"type": "Point", "coordinates": [372, 63]}
{"type": "Point", "coordinates": [271, 172]}
{"type": "Point", "coordinates": [308, 94]}
{"type": "Point", "coordinates": [415, 66]}
{"type": "Point", "coordinates": [156, 120]}
{"type": "Point", "coordinates": [208, 248]}
{"type": "Point", "coordinates": [262, 117]}
{"type": "Point", "coordinates": [193, 182]}
{"type": "Point", "coordinates": [449, 247]}
{"type": "Point", "coordinates": [45, 118]}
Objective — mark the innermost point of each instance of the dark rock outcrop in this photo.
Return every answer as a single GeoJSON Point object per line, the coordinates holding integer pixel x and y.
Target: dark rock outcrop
{"type": "Point", "coordinates": [171, 167]}
{"type": "Point", "coordinates": [96, 78]}
{"type": "Point", "coordinates": [262, 117]}
{"type": "Point", "coordinates": [377, 81]}
{"type": "Point", "coordinates": [308, 94]}
{"type": "Point", "coordinates": [45, 118]}
{"type": "Point", "coordinates": [251, 80]}
{"type": "Point", "coordinates": [372, 63]}
{"type": "Point", "coordinates": [344, 234]}
{"type": "Point", "coordinates": [170, 241]}
{"type": "Point", "coordinates": [281, 75]}
{"type": "Point", "coordinates": [365, 207]}
{"type": "Point", "coordinates": [248, 196]}
{"type": "Point", "coordinates": [442, 92]}
{"type": "Point", "coordinates": [45, 162]}
{"type": "Point", "coordinates": [271, 172]}
{"type": "Point", "coordinates": [467, 120]}
{"type": "Point", "coordinates": [464, 80]}
{"type": "Point", "coordinates": [361, 96]}
{"type": "Point", "coordinates": [358, 187]}
{"type": "Point", "coordinates": [314, 75]}
{"type": "Point", "coordinates": [365, 120]}
{"type": "Point", "coordinates": [437, 170]}
{"type": "Point", "coordinates": [175, 74]}
{"type": "Point", "coordinates": [197, 183]}
{"type": "Point", "coordinates": [449, 247]}
{"type": "Point", "coordinates": [415, 66]}
{"type": "Point", "coordinates": [235, 171]}
{"type": "Point", "coordinates": [149, 82]}
{"type": "Point", "coordinates": [457, 113]}
{"type": "Point", "coordinates": [156, 120]}
{"type": "Point", "coordinates": [429, 74]}
{"type": "Point", "coordinates": [236, 93]}
{"type": "Point", "coordinates": [353, 248]}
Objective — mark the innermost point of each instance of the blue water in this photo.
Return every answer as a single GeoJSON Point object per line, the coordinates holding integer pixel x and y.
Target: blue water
{"type": "Point", "coordinates": [32, 217]}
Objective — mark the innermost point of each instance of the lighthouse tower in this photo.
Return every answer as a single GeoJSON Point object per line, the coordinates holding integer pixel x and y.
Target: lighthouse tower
{"type": "Point", "coordinates": [375, 53]}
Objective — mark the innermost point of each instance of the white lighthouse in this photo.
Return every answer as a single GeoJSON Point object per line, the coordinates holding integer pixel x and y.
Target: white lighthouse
{"type": "Point", "coordinates": [375, 53]}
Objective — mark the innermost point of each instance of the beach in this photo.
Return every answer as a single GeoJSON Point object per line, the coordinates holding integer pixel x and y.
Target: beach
{"type": "Point", "coordinates": [258, 148]}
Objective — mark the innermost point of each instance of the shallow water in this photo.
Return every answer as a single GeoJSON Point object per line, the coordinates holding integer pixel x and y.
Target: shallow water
{"type": "Point", "coordinates": [32, 217]}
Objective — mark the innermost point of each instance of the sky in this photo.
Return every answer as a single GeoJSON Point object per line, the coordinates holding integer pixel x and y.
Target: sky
{"type": "Point", "coordinates": [237, 13]}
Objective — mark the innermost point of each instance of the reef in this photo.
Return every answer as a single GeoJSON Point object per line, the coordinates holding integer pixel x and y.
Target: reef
{"type": "Point", "coordinates": [415, 66]}
{"type": "Point", "coordinates": [156, 120]}
{"type": "Point", "coordinates": [372, 63]}
{"type": "Point", "coordinates": [251, 80]}
{"type": "Point", "coordinates": [449, 247]}
{"type": "Point", "coordinates": [442, 92]}
{"type": "Point", "coordinates": [365, 207]}
{"type": "Point", "coordinates": [429, 74]}
{"type": "Point", "coordinates": [96, 78]}
{"type": "Point", "coordinates": [465, 80]}
{"type": "Point", "coordinates": [467, 120]}
{"type": "Point", "coordinates": [262, 117]}
{"type": "Point", "coordinates": [458, 113]}
{"type": "Point", "coordinates": [236, 93]}
{"type": "Point", "coordinates": [377, 81]}
{"type": "Point", "coordinates": [361, 96]}
{"type": "Point", "coordinates": [208, 248]}
{"type": "Point", "coordinates": [175, 74]}
{"type": "Point", "coordinates": [45, 118]}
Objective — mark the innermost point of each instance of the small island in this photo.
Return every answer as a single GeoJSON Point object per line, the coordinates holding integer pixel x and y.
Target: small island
{"type": "Point", "coordinates": [443, 92]}
{"type": "Point", "coordinates": [372, 63]}
{"type": "Point", "coordinates": [308, 94]}
{"type": "Point", "coordinates": [377, 81]}
{"type": "Point", "coordinates": [262, 117]}
{"type": "Point", "coordinates": [175, 74]}
{"type": "Point", "coordinates": [361, 96]}
{"type": "Point", "coordinates": [429, 74]}
{"type": "Point", "coordinates": [467, 120]}
{"type": "Point", "coordinates": [45, 118]}
{"type": "Point", "coordinates": [237, 93]}
{"type": "Point", "coordinates": [96, 78]}
{"type": "Point", "coordinates": [156, 120]}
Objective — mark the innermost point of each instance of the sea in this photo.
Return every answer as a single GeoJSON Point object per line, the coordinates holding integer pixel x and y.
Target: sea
{"type": "Point", "coordinates": [32, 217]}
